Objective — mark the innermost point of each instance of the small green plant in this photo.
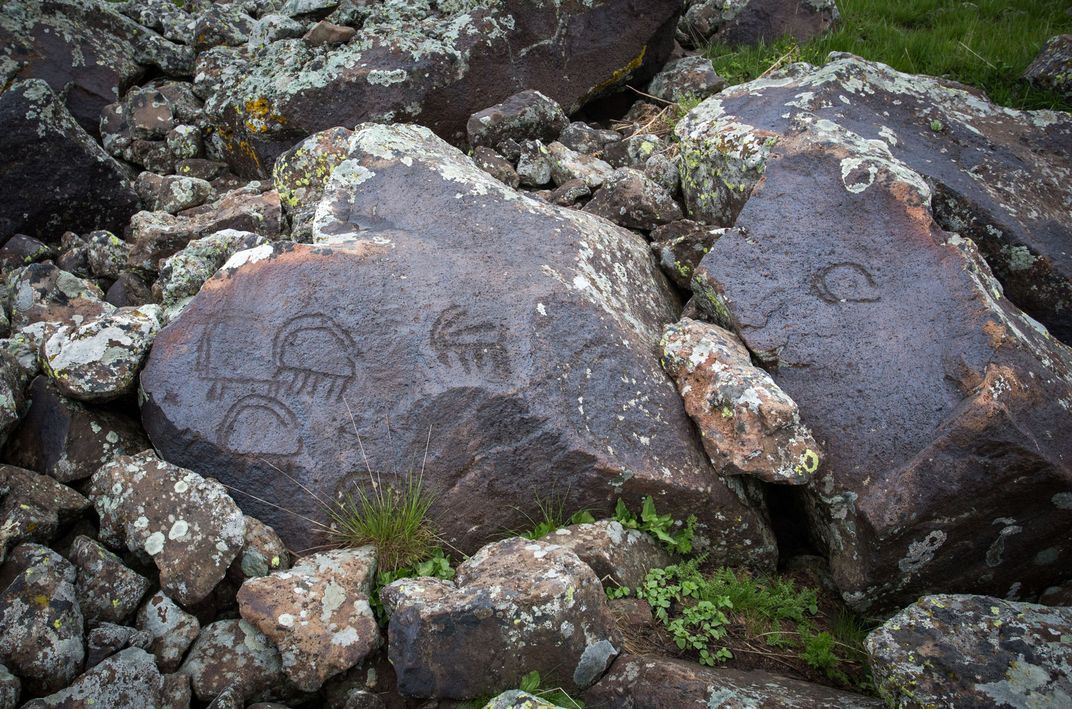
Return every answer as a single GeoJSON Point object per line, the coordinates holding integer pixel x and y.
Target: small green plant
{"type": "Point", "coordinates": [683, 601]}
{"type": "Point", "coordinates": [675, 535]}
{"type": "Point", "coordinates": [532, 683]}
{"type": "Point", "coordinates": [436, 565]}
{"type": "Point", "coordinates": [394, 519]}
{"type": "Point", "coordinates": [553, 520]}
{"type": "Point", "coordinates": [937, 126]}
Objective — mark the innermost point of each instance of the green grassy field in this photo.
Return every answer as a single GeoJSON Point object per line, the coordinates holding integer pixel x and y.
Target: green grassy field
{"type": "Point", "coordinates": [984, 43]}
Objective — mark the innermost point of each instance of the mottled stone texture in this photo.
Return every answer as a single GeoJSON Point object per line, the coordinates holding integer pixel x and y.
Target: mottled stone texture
{"type": "Point", "coordinates": [515, 606]}
{"type": "Point", "coordinates": [954, 650]}
{"type": "Point", "coordinates": [1052, 68]}
{"type": "Point", "coordinates": [53, 176]}
{"type": "Point", "coordinates": [753, 22]}
{"type": "Point", "coordinates": [430, 67]}
{"type": "Point", "coordinates": [509, 343]}
{"type": "Point", "coordinates": [998, 176]}
{"type": "Point", "coordinates": [943, 410]}
{"type": "Point", "coordinates": [639, 682]}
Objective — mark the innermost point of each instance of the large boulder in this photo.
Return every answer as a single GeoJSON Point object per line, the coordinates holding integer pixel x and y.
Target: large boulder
{"type": "Point", "coordinates": [514, 606]}
{"type": "Point", "coordinates": [998, 176]}
{"type": "Point", "coordinates": [510, 352]}
{"type": "Point", "coordinates": [53, 176]}
{"type": "Point", "coordinates": [959, 650]}
{"type": "Point", "coordinates": [942, 409]}
{"type": "Point", "coordinates": [637, 681]}
{"type": "Point", "coordinates": [431, 66]}
{"type": "Point", "coordinates": [85, 50]}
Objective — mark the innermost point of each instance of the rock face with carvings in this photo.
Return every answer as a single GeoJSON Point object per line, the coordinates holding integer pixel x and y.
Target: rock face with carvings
{"type": "Point", "coordinates": [511, 351]}
{"type": "Point", "coordinates": [1002, 178]}
{"type": "Point", "coordinates": [411, 63]}
{"type": "Point", "coordinates": [943, 411]}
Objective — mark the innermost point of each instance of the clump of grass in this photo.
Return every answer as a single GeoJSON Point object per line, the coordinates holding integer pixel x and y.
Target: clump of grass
{"type": "Point", "coordinates": [984, 43]}
{"type": "Point", "coordinates": [394, 519]}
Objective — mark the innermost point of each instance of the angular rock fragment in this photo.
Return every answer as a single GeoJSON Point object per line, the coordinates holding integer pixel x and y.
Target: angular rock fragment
{"type": "Point", "coordinates": [126, 679]}
{"type": "Point", "coordinates": [232, 655]}
{"type": "Point", "coordinates": [53, 176]}
{"type": "Point", "coordinates": [587, 139]}
{"type": "Point", "coordinates": [35, 507]}
{"type": "Point", "coordinates": [680, 246]}
{"type": "Point", "coordinates": [173, 193]}
{"type": "Point", "coordinates": [436, 67]}
{"type": "Point", "coordinates": [546, 375]}
{"type": "Point", "coordinates": [1052, 68]}
{"type": "Point", "coordinates": [100, 359]}
{"type": "Point", "coordinates": [68, 440]}
{"type": "Point", "coordinates": [108, 591]}
{"type": "Point", "coordinates": [569, 165]}
{"type": "Point", "coordinates": [170, 628]}
{"type": "Point", "coordinates": [1000, 177]}
{"type": "Point", "coordinates": [896, 342]}
{"type": "Point", "coordinates": [496, 165]}
{"type": "Point", "coordinates": [618, 556]}
{"type": "Point", "coordinates": [516, 699]}
{"type": "Point", "coordinates": [754, 22]}
{"type": "Point", "coordinates": [528, 115]}
{"type": "Point", "coordinates": [748, 424]}
{"type": "Point", "coordinates": [12, 394]}
{"type": "Point", "coordinates": [652, 681]}
{"type": "Point", "coordinates": [685, 78]}
{"type": "Point", "coordinates": [187, 524]}
{"type": "Point", "coordinates": [317, 613]}
{"type": "Point", "coordinates": [22, 250]}
{"type": "Point", "coordinates": [40, 623]}
{"type": "Point", "coordinates": [635, 150]}
{"type": "Point", "coordinates": [301, 173]}
{"type": "Point", "coordinates": [184, 272]}
{"type": "Point", "coordinates": [515, 606]}
{"type": "Point", "coordinates": [262, 553]}
{"type": "Point", "coordinates": [328, 33]}
{"type": "Point", "coordinates": [41, 292]}
{"type": "Point", "coordinates": [631, 199]}
{"type": "Point", "coordinates": [107, 639]}
{"type": "Point", "coordinates": [10, 689]}
{"type": "Point", "coordinates": [106, 254]}
{"type": "Point", "coordinates": [973, 650]}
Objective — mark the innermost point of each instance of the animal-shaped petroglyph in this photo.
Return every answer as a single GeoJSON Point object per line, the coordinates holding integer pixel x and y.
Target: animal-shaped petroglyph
{"type": "Point", "coordinates": [313, 355]}
{"type": "Point", "coordinates": [474, 345]}
{"type": "Point", "coordinates": [845, 282]}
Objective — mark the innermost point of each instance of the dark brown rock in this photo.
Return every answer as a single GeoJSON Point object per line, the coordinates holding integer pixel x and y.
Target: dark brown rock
{"type": "Point", "coordinates": [964, 650]}
{"type": "Point", "coordinates": [68, 440]}
{"type": "Point", "coordinates": [943, 410]}
{"type": "Point", "coordinates": [126, 679]}
{"type": "Point", "coordinates": [35, 507]}
{"type": "Point", "coordinates": [1000, 177]}
{"type": "Point", "coordinates": [546, 375]}
{"type": "Point", "coordinates": [1052, 68]}
{"type": "Point", "coordinates": [108, 591]}
{"type": "Point", "coordinates": [680, 246]}
{"type": "Point", "coordinates": [686, 78]}
{"type": "Point", "coordinates": [232, 655]}
{"type": "Point", "coordinates": [633, 200]}
{"type": "Point", "coordinates": [754, 22]}
{"type": "Point", "coordinates": [129, 290]}
{"type": "Point", "coordinates": [515, 606]}
{"type": "Point", "coordinates": [53, 176]}
{"type": "Point", "coordinates": [107, 639]}
{"type": "Point", "coordinates": [496, 165]}
{"type": "Point", "coordinates": [639, 682]}
{"type": "Point", "coordinates": [434, 69]}
{"type": "Point", "coordinates": [22, 250]}
{"type": "Point", "coordinates": [528, 115]}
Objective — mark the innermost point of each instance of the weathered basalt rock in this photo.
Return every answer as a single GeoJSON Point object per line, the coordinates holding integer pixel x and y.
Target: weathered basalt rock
{"type": "Point", "coordinates": [998, 176]}
{"type": "Point", "coordinates": [618, 556]}
{"type": "Point", "coordinates": [688, 77]}
{"type": "Point", "coordinates": [633, 200]}
{"type": "Point", "coordinates": [183, 273]}
{"type": "Point", "coordinates": [753, 22]}
{"type": "Point", "coordinates": [108, 591]}
{"type": "Point", "coordinates": [41, 293]}
{"type": "Point", "coordinates": [68, 440]}
{"type": "Point", "coordinates": [681, 245]}
{"type": "Point", "coordinates": [433, 67]}
{"type": "Point", "coordinates": [528, 115]}
{"type": "Point", "coordinates": [317, 613]}
{"type": "Point", "coordinates": [547, 375]}
{"type": "Point", "coordinates": [172, 193]}
{"type": "Point", "coordinates": [896, 342]}
{"type": "Point", "coordinates": [187, 524]}
{"type": "Point", "coordinates": [35, 507]}
{"type": "Point", "coordinates": [107, 639]}
{"type": "Point", "coordinates": [170, 628]}
{"type": "Point", "coordinates": [515, 606]}
{"type": "Point", "coordinates": [12, 393]}
{"type": "Point", "coordinates": [748, 424]}
{"type": "Point", "coordinates": [10, 689]}
{"type": "Point", "coordinates": [949, 650]}
{"type": "Point", "coordinates": [262, 553]}
{"type": "Point", "coordinates": [99, 360]}
{"type": "Point", "coordinates": [1052, 68]}
{"type": "Point", "coordinates": [127, 679]}
{"type": "Point", "coordinates": [53, 176]}
{"type": "Point", "coordinates": [232, 655]}
{"type": "Point", "coordinates": [40, 623]}
{"type": "Point", "coordinates": [651, 681]}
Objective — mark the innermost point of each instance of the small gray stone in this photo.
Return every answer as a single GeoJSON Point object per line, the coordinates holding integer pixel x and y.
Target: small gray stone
{"type": "Point", "coordinates": [170, 628]}
{"type": "Point", "coordinates": [107, 590]}
{"type": "Point", "coordinates": [688, 77]}
{"type": "Point", "coordinates": [496, 165]}
{"type": "Point", "coordinates": [586, 139]}
{"type": "Point", "coordinates": [172, 193]}
{"type": "Point", "coordinates": [528, 115]}
{"type": "Point", "coordinates": [534, 164]}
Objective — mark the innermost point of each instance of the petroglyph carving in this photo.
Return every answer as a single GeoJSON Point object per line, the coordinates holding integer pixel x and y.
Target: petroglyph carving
{"type": "Point", "coordinates": [254, 424]}
{"type": "Point", "coordinates": [845, 282]}
{"type": "Point", "coordinates": [474, 346]}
